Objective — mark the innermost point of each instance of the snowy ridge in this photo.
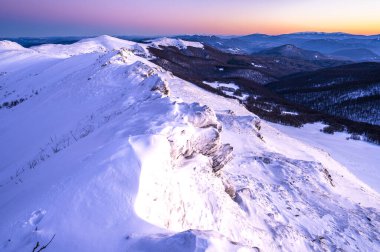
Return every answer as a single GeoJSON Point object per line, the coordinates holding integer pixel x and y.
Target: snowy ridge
{"type": "Point", "coordinates": [109, 152]}
{"type": "Point", "coordinates": [179, 43]}
{"type": "Point", "coordinates": [6, 45]}
{"type": "Point", "coordinates": [115, 86]}
{"type": "Point", "coordinates": [99, 44]}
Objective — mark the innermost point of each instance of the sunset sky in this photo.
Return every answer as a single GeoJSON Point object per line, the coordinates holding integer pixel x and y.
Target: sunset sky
{"type": "Point", "coordinates": [167, 17]}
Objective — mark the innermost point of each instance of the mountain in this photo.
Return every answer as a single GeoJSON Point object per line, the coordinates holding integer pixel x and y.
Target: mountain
{"type": "Point", "coordinates": [226, 44]}
{"type": "Point", "coordinates": [29, 42]}
{"type": "Point", "coordinates": [7, 45]}
{"type": "Point", "coordinates": [350, 91]}
{"type": "Point", "coordinates": [325, 43]}
{"type": "Point", "coordinates": [37, 41]}
{"type": "Point", "coordinates": [328, 45]}
{"type": "Point", "coordinates": [351, 46]}
{"type": "Point", "coordinates": [208, 62]}
{"type": "Point", "coordinates": [360, 54]}
{"type": "Point", "coordinates": [324, 35]}
{"type": "Point", "coordinates": [107, 151]}
{"type": "Point", "coordinates": [245, 78]}
{"type": "Point", "coordinates": [293, 52]}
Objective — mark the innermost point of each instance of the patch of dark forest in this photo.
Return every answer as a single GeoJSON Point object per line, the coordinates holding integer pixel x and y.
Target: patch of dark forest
{"type": "Point", "coordinates": [351, 91]}
{"type": "Point", "coordinates": [209, 64]}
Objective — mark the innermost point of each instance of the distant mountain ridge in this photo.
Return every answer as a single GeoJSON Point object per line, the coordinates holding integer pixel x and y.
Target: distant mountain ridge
{"type": "Point", "coordinates": [359, 54]}
{"type": "Point", "coordinates": [325, 43]}
{"type": "Point", "coordinates": [291, 51]}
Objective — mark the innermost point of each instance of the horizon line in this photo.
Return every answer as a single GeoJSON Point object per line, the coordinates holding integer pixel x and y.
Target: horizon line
{"type": "Point", "coordinates": [192, 34]}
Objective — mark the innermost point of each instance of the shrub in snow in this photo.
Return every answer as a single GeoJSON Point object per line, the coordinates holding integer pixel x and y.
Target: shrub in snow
{"type": "Point", "coordinates": [355, 137]}
{"type": "Point", "coordinates": [13, 103]}
{"type": "Point", "coordinates": [258, 125]}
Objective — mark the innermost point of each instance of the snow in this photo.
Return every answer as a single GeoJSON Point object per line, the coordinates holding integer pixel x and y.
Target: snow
{"type": "Point", "coordinates": [179, 43]}
{"type": "Point", "coordinates": [280, 179]}
{"type": "Point", "coordinates": [6, 45]}
{"type": "Point", "coordinates": [217, 85]}
{"type": "Point", "coordinates": [227, 88]}
{"type": "Point", "coordinates": [99, 44]}
{"type": "Point", "coordinates": [289, 113]}
{"type": "Point", "coordinates": [361, 158]}
{"type": "Point", "coordinates": [113, 153]}
{"type": "Point", "coordinates": [234, 50]}
{"type": "Point", "coordinates": [257, 65]}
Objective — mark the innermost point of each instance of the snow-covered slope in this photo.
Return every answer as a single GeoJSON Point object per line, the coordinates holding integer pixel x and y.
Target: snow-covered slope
{"type": "Point", "coordinates": [105, 151]}
{"type": "Point", "coordinates": [179, 43]}
{"type": "Point", "coordinates": [100, 44]}
{"type": "Point", "coordinates": [360, 157]}
{"type": "Point", "coordinates": [6, 45]}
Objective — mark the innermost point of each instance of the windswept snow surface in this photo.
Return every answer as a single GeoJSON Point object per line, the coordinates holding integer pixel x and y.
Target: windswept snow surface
{"type": "Point", "coordinates": [109, 152]}
{"type": "Point", "coordinates": [362, 158]}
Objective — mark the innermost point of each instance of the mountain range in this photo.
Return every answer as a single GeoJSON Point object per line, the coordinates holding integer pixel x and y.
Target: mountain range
{"type": "Point", "coordinates": [256, 76]}
{"type": "Point", "coordinates": [330, 44]}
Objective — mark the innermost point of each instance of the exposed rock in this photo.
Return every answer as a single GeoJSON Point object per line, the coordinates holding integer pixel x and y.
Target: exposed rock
{"type": "Point", "coordinates": [229, 187]}
{"type": "Point", "coordinates": [222, 157]}
{"type": "Point", "coordinates": [204, 139]}
{"type": "Point", "coordinates": [161, 86]}
{"type": "Point", "coordinates": [328, 176]}
{"type": "Point", "coordinates": [207, 141]}
{"type": "Point", "coordinates": [258, 125]}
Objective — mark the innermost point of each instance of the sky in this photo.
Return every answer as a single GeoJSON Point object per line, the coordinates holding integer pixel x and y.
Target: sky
{"type": "Point", "coordinates": [169, 17]}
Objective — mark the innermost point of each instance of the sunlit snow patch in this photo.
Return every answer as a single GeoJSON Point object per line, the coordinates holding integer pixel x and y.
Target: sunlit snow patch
{"type": "Point", "coordinates": [179, 43]}
{"type": "Point", "coordinates": [230, 89]}
{"type": "Point", "coordinates": [257, 65]}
